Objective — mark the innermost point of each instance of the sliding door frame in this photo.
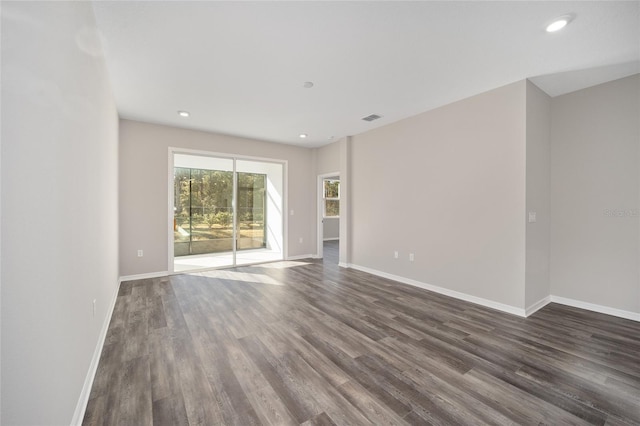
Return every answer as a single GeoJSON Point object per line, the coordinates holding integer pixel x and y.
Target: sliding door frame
{"type": "Point", "coordinates": [234, 158]}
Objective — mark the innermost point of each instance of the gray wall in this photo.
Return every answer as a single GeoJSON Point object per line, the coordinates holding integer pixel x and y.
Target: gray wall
{"type": "Point", "coordinates": [537, 245]}
{"type": "Point", "coordinates": [144, 189]}
{"type": "Point", "coordinates": [346, 234]}
{"type": "Point", "coordinates": [595, 195]}
{"type": "Point", "coordinates": [331, 228]}
{"type": "Point", "coordinates": [449, 186]}
{"type": "Point", "coordinates": [328, 158]}
{"type": "Point", "coordinates": [59, 207]}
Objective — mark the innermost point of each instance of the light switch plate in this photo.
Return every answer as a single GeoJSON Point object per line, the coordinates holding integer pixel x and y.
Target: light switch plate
{"type": "Point", "coordinates": [532, 217]}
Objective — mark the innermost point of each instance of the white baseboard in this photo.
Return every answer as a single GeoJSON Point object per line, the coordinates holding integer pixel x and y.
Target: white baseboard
{"type": "Point", "coordinates": [144, 276]}
{"type": "Point", "coordinates": [537, 306]}
{"type": "Point", "coordinates": [441, 290]}
{"type": "Point", "coordinates": [634, 316]}
{"type": "Point", "coordinates": [344, 265]}
{"type": "Point", "coordinates": [302, 256]}
{"type": "Point", "coordinates": [81, 407]}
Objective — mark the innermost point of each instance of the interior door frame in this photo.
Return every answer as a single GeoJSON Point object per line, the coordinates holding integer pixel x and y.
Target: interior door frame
{"type": "Point", "coordinates": [170, 213]}
{"type": "Point", "coordinates": [320, 212]}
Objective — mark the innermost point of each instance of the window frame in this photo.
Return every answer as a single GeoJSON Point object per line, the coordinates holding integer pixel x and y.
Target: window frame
{"type": "Point", "coordinates": [325, 198]}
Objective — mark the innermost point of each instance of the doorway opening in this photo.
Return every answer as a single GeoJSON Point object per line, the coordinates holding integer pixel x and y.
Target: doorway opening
{"type": "Point", "coordinates": [328, 235]}
{"type": "Point", "coordinates": [225, 211]}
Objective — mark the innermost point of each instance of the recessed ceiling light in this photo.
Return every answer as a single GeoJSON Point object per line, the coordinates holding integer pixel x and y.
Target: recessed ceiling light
{"type": "Point", "coordinates": [303, 135]}
{"type": "Point", "coordinates": [558, 23]}
{"type": "Point", "coordinates": [183, 113]}
{"type": "Point", "coordinates": [308, 84]}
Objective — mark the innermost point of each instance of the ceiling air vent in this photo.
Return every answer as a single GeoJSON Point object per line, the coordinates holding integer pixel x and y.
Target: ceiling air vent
{"type": "Point", "coordinates": [371, 117]}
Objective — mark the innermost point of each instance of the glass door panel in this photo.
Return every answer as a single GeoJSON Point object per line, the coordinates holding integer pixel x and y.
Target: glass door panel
{"type": "Point", "coordinates": [250, 197]}
{"type": "Point", "coordinates": [203, 212]}
{"type": "Point", "coordinates": [211, 211]}
{"type": "Point", "coordinates": [181, 209]}
{"type": "Point", "coordinates": [259, 222]}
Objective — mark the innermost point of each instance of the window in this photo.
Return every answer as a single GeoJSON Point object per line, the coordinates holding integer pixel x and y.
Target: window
{"type": "Point", "coordinates": [331, 195]}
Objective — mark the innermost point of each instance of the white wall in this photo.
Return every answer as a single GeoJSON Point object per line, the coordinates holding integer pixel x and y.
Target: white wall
{"type": "Point", "coordinates": [537, 285]}
{"type": "Point", "coordinates": [59, 207]}
{"type": "Point", "coordinates": [595, 195]}
{"type": "Point", "coordinates": [144, 191]}
{"type": "Point", "coordinates": [449, 186]}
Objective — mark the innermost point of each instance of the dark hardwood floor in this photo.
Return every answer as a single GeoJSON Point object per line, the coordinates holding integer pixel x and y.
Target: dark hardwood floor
{"type": "Point", "coordinates": [309, 343]}
{"type": "Point", "coordinates": [330, 252]}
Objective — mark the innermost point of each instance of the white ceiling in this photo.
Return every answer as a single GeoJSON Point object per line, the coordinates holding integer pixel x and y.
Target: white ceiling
{"type": "Point", "coordinates": [239, 67]}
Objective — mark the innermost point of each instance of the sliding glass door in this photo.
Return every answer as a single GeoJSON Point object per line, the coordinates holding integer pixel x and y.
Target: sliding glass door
{"type": "Point", "coordinates": [259, 229]}
{"type": "Point", "coordinates": [223, 210]}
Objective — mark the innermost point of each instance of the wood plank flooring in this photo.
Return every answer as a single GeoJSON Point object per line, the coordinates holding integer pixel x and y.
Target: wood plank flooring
{"type": "Point", "coordinates": [308, 343]}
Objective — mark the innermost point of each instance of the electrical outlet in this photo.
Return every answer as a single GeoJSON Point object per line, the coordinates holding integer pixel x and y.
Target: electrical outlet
{"type": "Point", "coordinates": [140, 253]}
{"type": "Point", "coordinates": [396, 254]}
{"type": "Point", "coordinates": [411, 257]}
{"type": "Point", "coordinates": [301, 240]}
